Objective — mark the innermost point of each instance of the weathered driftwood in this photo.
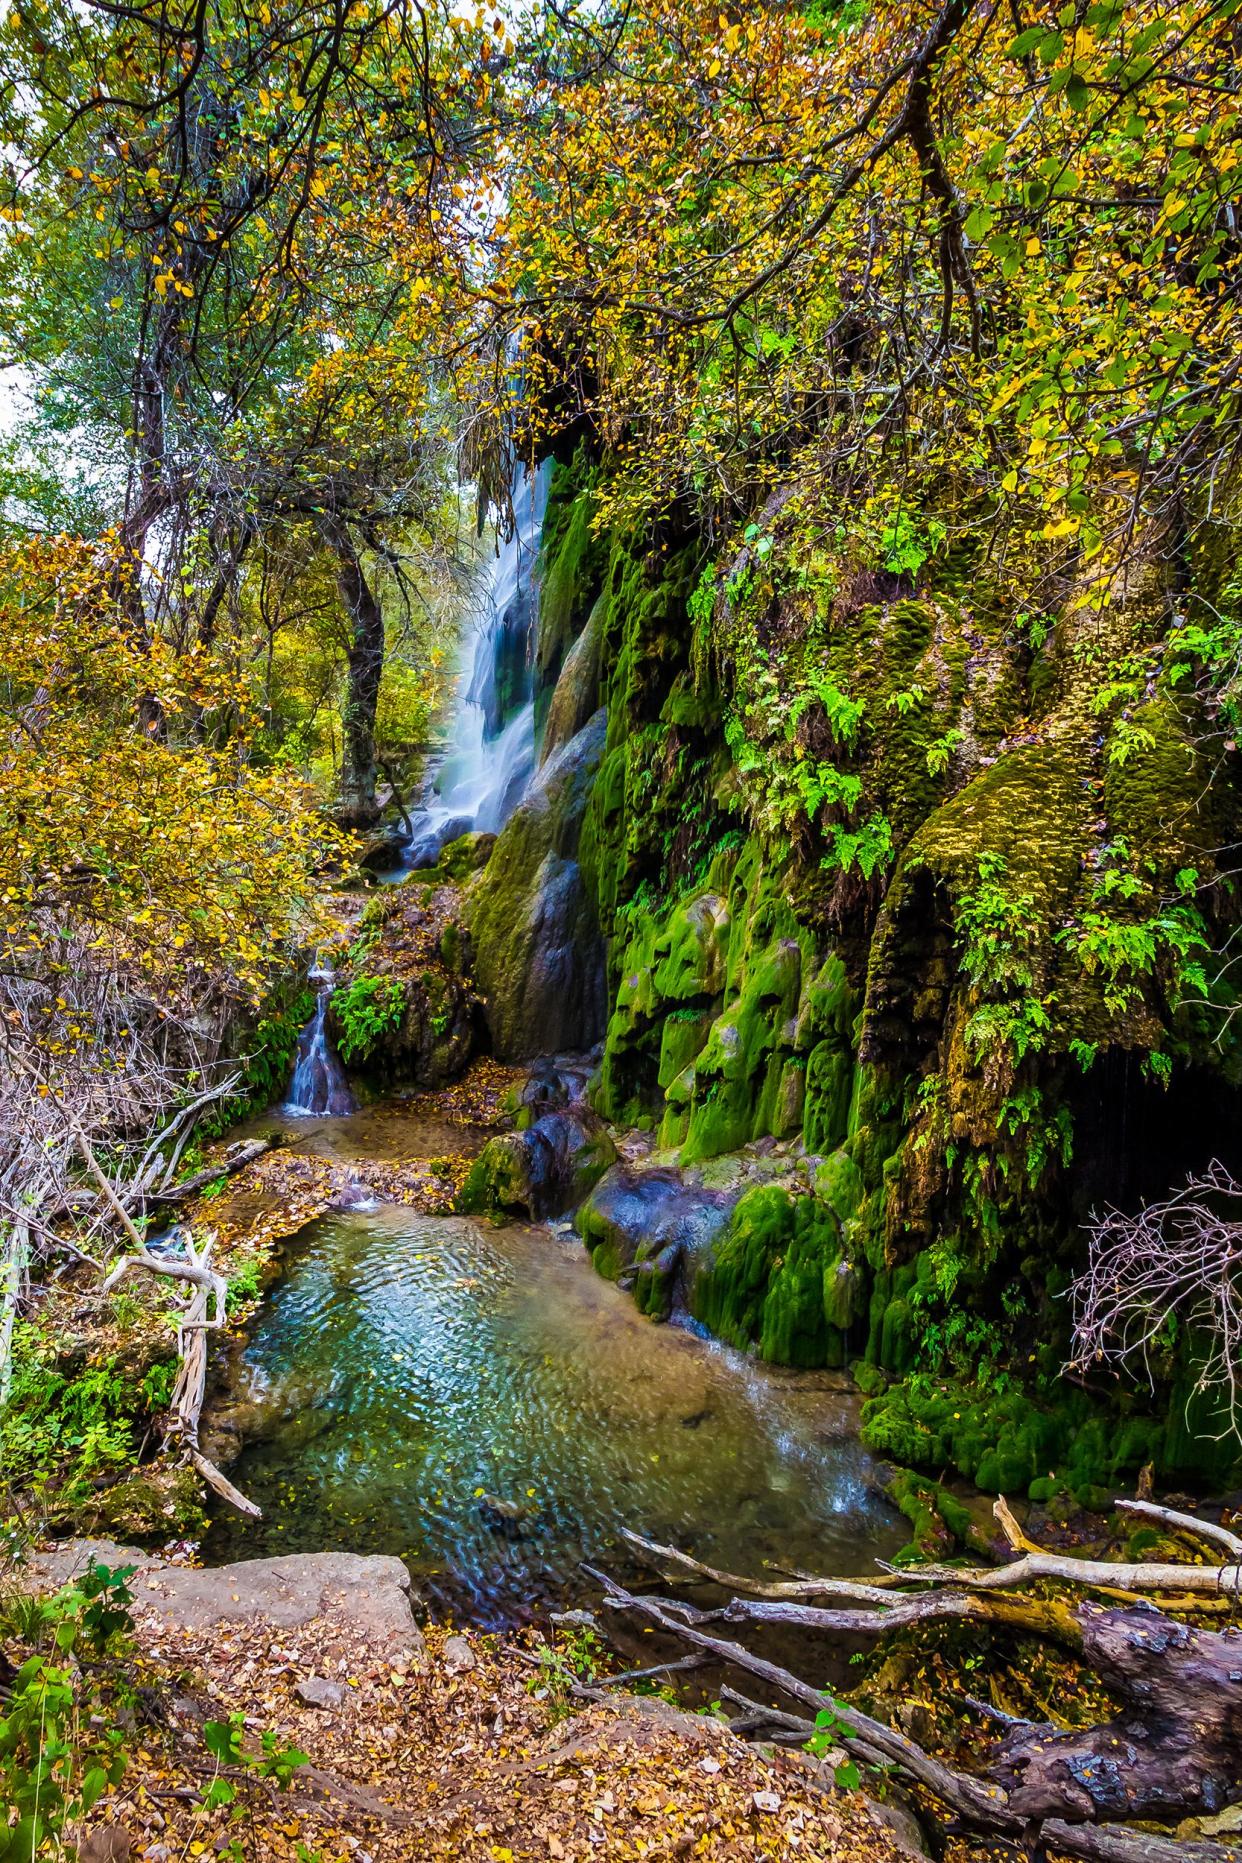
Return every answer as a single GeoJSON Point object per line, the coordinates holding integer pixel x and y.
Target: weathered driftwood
{"type": "Point", "coordinates": [235, 1160]}
{"type": "Point", "coordinates": [1174, 1751]}
{"type": "Point", "coordinates": [204, 1313]}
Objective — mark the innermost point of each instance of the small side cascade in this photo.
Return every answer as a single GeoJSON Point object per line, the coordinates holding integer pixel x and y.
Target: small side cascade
{"type": "Point", "coordinates": [491, 754]}
{"type": "Point", "coordinates": [319, 1083]}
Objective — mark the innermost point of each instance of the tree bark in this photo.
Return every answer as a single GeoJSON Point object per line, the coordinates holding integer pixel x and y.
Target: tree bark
{"type": "Point", "coordinates": [357, 806]}
{"type": "Point", "coordinates": [1176, 1750]}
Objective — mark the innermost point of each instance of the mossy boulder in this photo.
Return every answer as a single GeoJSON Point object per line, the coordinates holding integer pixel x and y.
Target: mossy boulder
{"type": "Point", "coordinates": [465, 855]}
{"type": "Point", "coordinates": [571, 566]}
{"type": "Point", "coordinates": [403, 1009]}
{"type": "Point", "coordinates": [542, 1171]}
{"type": "Point", "coordinates": [779, 1279]}
{"type": "Point", "coordinates": [1006, 1441]}
{"type": "Point", "coordinates": [648, 1228]}
{"type": "Point", "coordinates": [156, 1501]}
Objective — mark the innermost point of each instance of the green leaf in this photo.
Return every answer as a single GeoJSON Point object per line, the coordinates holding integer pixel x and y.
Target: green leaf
{"type": "Point", "coordinates": [93, 1786]}
{"type": "Point", "coordinates": [222, 1739]}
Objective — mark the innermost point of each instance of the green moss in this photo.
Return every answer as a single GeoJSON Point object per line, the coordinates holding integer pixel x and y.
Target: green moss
{"type": "Point", "coordinates": [939, 1521]}
{"type": "Point", "coordinates": [839, 1184]}
{"type": "Point", "coordinates": [1157, 788]}
{"type": "Point", "coordinates": [463, 856]}
{"type": "Point", "coordinates": [829, 1084]}
{"type": "Point", "coordinates": [1007, 1441]}
{"type": "Point", "coordinates": [778, 1278]}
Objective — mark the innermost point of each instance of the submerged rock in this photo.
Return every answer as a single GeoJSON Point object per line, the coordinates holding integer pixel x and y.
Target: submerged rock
{"type": "Point", "coordinates": [543, 1171]}
{"type": "Point", "coordinates": [508, 1520]}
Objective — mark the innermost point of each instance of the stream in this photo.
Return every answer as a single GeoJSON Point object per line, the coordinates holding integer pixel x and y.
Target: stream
{"type": "Point", "coordinates": [481, 1403]}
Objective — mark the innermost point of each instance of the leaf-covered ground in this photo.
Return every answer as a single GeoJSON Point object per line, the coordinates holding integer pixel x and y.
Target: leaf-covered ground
{"type": "Point", "coordinates": [428, 1760]}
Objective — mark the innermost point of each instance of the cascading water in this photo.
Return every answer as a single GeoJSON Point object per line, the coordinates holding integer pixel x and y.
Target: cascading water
{"type": "Point", "coordinates": [484, 774]}
{"type": "Point", "coordinates": [319, 1084]}
{"type": "Point", "coordinates": [491, 754]}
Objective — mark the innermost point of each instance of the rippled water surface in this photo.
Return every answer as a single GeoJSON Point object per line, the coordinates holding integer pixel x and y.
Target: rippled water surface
{"type": "Point", "coordinates": [479, 1402]}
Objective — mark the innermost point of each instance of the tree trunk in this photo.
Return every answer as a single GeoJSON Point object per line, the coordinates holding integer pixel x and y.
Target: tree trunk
{"type": "Point", "coordinates": [357, 807]}
{"type": "Point", "coordinates": [1175, 1751]}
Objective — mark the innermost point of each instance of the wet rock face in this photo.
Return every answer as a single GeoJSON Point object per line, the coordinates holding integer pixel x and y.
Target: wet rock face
{"type": "Point", "coordinates": [543, 1171]}
{"type": "Point", "coordinates": [538, 953]}
{"type": "Point", "coordinates": [553, 1081]}
{"type": "Point", "coordinates": [647, 1228]}
{"type": "Point", "coordinates": [575, 697]}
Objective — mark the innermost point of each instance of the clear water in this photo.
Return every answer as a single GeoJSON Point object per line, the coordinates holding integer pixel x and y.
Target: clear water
{"type": "Point", "coordinates": [481, 1403]}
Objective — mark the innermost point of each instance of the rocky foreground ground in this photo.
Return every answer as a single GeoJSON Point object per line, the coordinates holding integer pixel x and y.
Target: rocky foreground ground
{"type": "Point", "coordinates": [420, 1745]}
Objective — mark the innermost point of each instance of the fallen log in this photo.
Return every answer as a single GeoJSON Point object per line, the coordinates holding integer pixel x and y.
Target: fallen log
{"type": "Point", "coordinates": [235, 1160]}
{"type": "Point", "coordinates": [1174, 1750]}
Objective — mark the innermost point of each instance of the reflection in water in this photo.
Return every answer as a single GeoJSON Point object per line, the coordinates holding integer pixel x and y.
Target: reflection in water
{"type": "Point", "coordinates": [481, 1403]}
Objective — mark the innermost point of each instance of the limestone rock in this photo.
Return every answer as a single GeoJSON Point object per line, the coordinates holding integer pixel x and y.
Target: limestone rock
{"type": "Point", "coordinates": [543, 1171]}
{"type": "Point", "coordinates": [577, 688]}
{"type": "Point", "coordinates": [645, 1227]}
{"type": "Point", "coordinates": [365, 1596]}
{"type": "Point", "coordinates": [538, 953]}
{"type": "Point", "coordinates": [317, 1692]}
{"type": "Point", "coordinates": [458, 1655]}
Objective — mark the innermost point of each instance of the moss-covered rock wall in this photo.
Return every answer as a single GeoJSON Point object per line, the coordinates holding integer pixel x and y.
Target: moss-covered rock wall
{"type": "Point", "coordinates": [890, 878]}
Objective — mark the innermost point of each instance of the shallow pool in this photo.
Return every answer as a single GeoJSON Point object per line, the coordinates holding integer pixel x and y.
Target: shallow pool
{"type": "Point", "coordinates": [481, 1403]}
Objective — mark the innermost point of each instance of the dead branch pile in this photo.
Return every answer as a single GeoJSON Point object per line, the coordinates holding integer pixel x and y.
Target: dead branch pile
{"type": "Point", "coordinates": [1173, 1751]}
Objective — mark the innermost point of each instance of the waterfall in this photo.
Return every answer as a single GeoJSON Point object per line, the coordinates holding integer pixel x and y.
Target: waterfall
{"type": "Point", "coordinates": [319, 1084]}
{"type": "Point", "coordinates": [484, 774]}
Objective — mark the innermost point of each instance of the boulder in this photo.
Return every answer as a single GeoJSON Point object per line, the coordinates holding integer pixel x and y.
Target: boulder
{"type": "Point", "coordinates": [383, 852]}
{"type": "Point", "coordinates": [543, 1171]}
{"type": "Point", "coordinates": [553, 1081]}
{"type": "Point", "coordinates": [364, 1597]}
{"type": "Point", "coordinates": [645, 1228]}
{"type": "Point", "coordinates": [457, 1655]}
{"type": "Point", "coordinates": [430, 837]}
{"type": "Point", "coordinates": [403, 1010]}
{"type": "Point", "coordinates": [466, 854]}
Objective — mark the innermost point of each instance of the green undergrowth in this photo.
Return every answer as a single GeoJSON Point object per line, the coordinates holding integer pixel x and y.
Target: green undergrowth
{"type": "Point", "coordinates": [367, 1009]}
{"type": "Point", "coordinates": [73, 1429]}
{"type": "Point", "coordinates": [267, 1053]}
